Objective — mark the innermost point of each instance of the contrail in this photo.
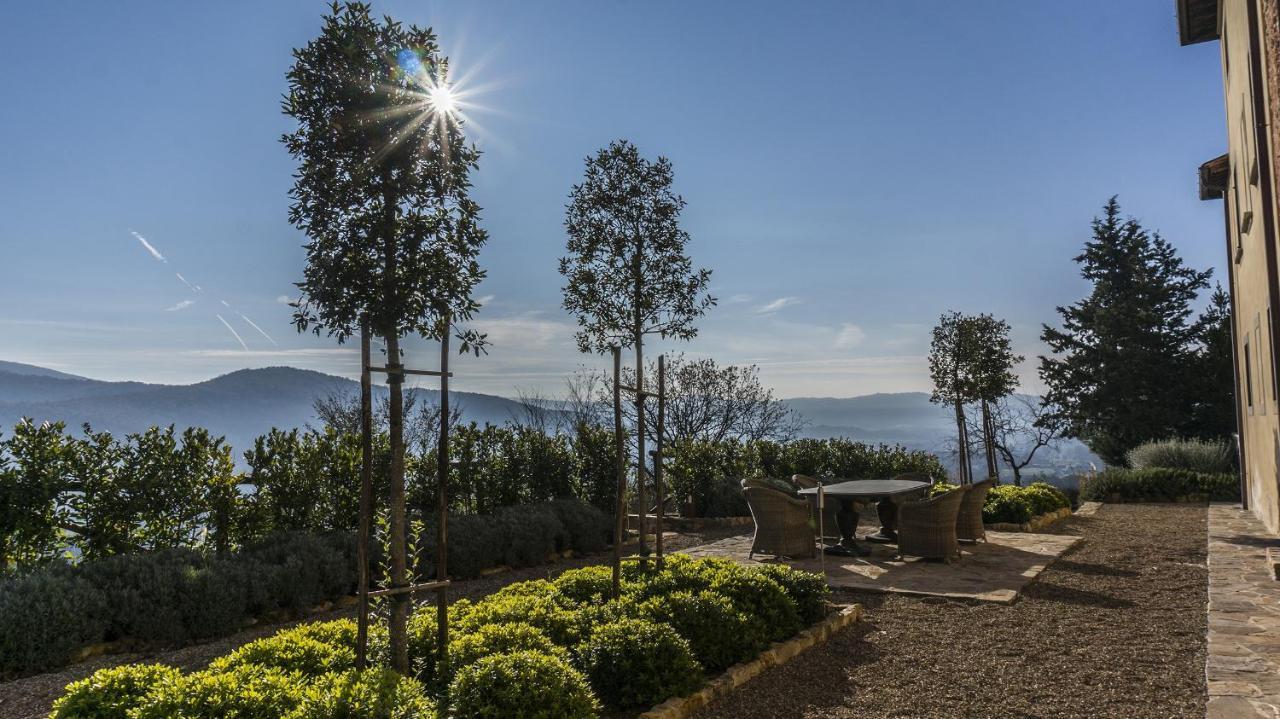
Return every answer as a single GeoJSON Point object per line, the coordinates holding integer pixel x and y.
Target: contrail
{"type": "Point", "coordinates": [193, 288]}
{"type": "Point", "coordinates": [256, 327]}
{"type": "Point", "coordinates": [233, 332]}
{"type": "Point", "coordinates": [180, 306]}
{"type": "Point", "coordinates": [154, 252]}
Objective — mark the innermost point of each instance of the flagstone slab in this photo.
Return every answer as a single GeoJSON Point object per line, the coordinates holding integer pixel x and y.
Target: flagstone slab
{"type": "Point", "coordinates": [995, 571]}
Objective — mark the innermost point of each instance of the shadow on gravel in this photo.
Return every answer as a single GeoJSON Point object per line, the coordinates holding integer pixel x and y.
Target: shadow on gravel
{"type": "Point", "coordinates": [1095, 570]}
{"type": "Point", "coordinates": [1246, 540]}
{"type": "Point", "coordinates": [1047, 592]}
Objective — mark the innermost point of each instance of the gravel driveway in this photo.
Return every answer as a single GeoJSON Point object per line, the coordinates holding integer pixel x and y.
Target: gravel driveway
{"type": "Point", "coordinates": [1116, 628]}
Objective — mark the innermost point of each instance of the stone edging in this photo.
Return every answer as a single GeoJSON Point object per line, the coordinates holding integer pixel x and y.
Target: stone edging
{"type": "Point", "coordinates": [1036, 523]}
{"type": "Point", "coordinates": [739, 674]}
{"type": "Point", "coordinates": [1088, 509]}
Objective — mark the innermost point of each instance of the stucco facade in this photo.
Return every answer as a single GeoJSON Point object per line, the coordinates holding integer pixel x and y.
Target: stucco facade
{"type": "Point", "coordinates": [1244, 181]}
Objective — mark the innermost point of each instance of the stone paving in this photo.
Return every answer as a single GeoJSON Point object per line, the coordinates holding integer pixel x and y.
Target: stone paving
{"type": "Point", "coordinates": [1243, 665]}
{"type": "Point", "coordinates": [994, 571]}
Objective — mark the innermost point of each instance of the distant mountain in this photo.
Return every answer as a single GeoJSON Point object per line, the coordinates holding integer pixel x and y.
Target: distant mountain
{"type": "Point", "coordinates": [904, 417]}
{"type": "Point", "coordinates": [240, 406]}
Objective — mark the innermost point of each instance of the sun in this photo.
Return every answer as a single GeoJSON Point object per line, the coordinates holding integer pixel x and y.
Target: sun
{"type": "Point", "coordinates": [442, 99]}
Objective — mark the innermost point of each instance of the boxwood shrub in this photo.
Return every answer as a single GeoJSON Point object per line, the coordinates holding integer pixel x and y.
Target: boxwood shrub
{"type": "Point", "coordinates": [110, 693]}
{"type": "Point", "coordinates": [246, 692]}
{"type": "Point", "coordinates": [293, 653]}
{"type": "Point", "coordinates": [1159, 485]}
{"type": "Point", "coordinates": [636, 663]}
{"type": "Point", "coordinates": [368, 694]}
{"type": "Point", "coordinates": [1011, 504]}
{"type": "Point", "coordinates": [719, 634]}
{"type": "Point", "coordinates": [522, 685]}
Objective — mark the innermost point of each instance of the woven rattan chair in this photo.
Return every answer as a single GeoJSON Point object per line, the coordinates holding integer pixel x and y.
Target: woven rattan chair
{"type": "Point", "coordinates": [830, 527]}
{"type": "Point", "coordinates": [969, 527]}
{"type": "Point", "coordinates": [782, 522]}
{"type": "Point", "coordinates": [927, 527]}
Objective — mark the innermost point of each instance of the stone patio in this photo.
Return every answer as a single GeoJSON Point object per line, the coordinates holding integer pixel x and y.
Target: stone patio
{"type": "Point", "coordinates": [993, 572]}
{"type": "Point", "coordinates": [1243, 664]}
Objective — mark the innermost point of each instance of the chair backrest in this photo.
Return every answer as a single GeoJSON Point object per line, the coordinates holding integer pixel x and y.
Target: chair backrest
{"type": "Point", "coordinates": [915, 477]}
{"type": "Point", "coordinates": [977, 494]}
{"type": "Point", "coordinates": [777, 485]}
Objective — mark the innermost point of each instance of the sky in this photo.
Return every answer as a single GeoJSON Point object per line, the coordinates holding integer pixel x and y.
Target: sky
{"type": "Point", "coordinates": [852, 170]}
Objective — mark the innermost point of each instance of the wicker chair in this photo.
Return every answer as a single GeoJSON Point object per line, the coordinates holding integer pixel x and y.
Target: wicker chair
{"type": "Point", "coordinates": [782, 522]}
{"type": "Point", "coordinates": [969, 527]}
{"type": "Point", "coordinates": [830, 527]}
{"type": "Point", "coordinates": [927, 527]}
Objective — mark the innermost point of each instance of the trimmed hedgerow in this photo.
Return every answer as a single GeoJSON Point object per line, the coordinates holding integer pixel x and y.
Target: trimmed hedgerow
{"type": "Point", "coordinates": [110, 693]}
{"type": "Point", "coordinates": [636, 663]}
{"type": "Point", "coordinates": [1159, 485]}
{"type": "Point", "coordinates": [522, 685]}
{"type": "Point", "coordinates": [44, 617]}
{"type": "Point", "coordinates": [247, 692]}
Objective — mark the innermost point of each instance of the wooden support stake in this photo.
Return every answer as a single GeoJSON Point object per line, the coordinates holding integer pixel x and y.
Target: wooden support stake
{"type": "Point", "coordinates": [436, 587]}
{"type": "Point", "coordinates": [366, 498]}
{"type": "Point", "coordinates": [399, 370]}
{"type": "Point", "coordinates": [620, 467]}
{"type": "Point", "coordinates": [657, 458]}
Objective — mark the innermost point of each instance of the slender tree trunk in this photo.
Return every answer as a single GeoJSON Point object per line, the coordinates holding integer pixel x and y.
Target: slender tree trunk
{"type": "Point", "coordinates": [397, 626]}
{"type": "Point", "coordinates": [962, 446]}
{"type": "Point", "coordinates": [642, 509]}
{"type": "Point", "coordinates": [988, 440]}
{"type": "Point", "coordinates": [620, 469]}
{"type": "Point", "coordinates": [442, 499]}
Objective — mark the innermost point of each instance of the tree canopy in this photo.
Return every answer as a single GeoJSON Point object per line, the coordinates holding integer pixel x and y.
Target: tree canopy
{"type": "Point", "coordinates": [1124, 357]}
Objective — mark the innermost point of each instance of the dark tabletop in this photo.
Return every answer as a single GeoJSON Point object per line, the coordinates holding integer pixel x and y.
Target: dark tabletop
{"type": "Point", "coordinates": [869, 488]}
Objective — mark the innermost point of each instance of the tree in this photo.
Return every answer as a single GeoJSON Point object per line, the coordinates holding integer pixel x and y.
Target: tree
{"type": "Point", "coordinates": [993, 364]}
{"type": "Point", "coordinates": [1123, 359]}
{"type": "Point", "coordinates": [712, 403]}
{"type": "Point", "coordinates": [627, 271]}
{"type": "Point", "coordinates": [381, 192]}
{"type": "Point", "coordinates": [1020, 427]}
{"type": "Point", "coordinates": [1214, 409]}
{"type": "Point", "coordinates": [952, 357]}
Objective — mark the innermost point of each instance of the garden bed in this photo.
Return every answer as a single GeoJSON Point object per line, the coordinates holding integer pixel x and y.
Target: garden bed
{"type": "Point", "coordinates": [1035, 524]}
{"type": "Point", "coordinates": [555, 646]}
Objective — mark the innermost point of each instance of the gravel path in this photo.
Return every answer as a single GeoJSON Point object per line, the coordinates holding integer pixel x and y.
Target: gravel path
{"type": "Point", "coordinates": [1116, 628]}
{"type": "Point", "coordinates": [32, 697]}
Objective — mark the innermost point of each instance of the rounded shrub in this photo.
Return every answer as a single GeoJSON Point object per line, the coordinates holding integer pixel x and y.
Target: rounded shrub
{"type": "Point", "coordinates": [335, 633]}
{"type": "Point", "coordinates": [1044, 498]}
{"type": "Point", "coordinates": [718, 634]}
{"type": "Point", "coordinates": [543, 612]}
{"type": "Point", "coordinates": [808, 590]}
{"type": "Point", "coordinates": [467, 649]}
{"type": "Point", "coordinates": [291, 653]}
{"type": "Point", "coordinates": [1006, 503]}
{"type": "Point", "coordinates": [522, 685]}
{"type": "Point", "coordinates": [110, 693]}
{"type": "Point", "coordinates": [246, 692]}
{"type": "Point", "coordinates": [44, 617]}
{"type": "Point", "coordinates": [1197, 455]}
{"type": "Point", "coordinates": [636, 663]}
{"type": "Point", "coordinates": [587, 585]}
{"type": "Point", "coordinates": [368, 694]}
{"type": "Point", "coordinates": [761, 599]}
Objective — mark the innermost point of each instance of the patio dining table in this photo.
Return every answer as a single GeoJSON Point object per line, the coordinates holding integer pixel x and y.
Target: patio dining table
{"type": "Point", "coordinates": [851, 492]}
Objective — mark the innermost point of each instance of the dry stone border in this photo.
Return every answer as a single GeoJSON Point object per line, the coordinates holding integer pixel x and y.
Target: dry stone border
{"type": "Point", "coordinates": [1036, 524]}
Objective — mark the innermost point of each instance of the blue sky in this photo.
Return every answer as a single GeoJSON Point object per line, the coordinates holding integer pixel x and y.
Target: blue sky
{"type": "Point", "coordinates": [852, 169]}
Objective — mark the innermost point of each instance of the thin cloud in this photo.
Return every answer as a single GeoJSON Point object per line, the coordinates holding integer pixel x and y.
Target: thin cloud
{"type": "Point", "coordinates": [284, 300]}
{"type": "Point", "coordinates": [154, 252]}
{"type": "Point", "coordinates": [233, 332]}
{"type": "Point", "coordinates": [850, 335]}
{"type": "Point", "coordinates": [484, 300]}
{"type": "Point", "coordinates": [777, 304]}
{"type": "Point", "coordinates": [180, 306]}
{"type": "Point", "coordinates": [739, 299]}
{"type": "Point", "coordinates": [184, 281]}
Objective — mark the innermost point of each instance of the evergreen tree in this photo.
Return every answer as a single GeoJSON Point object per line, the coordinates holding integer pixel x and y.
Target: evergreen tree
{"type": "Point", "coordinates": [381, 192]}
{"type": "Point", "coordinates": [1214, 412]}
{"type": "Point", "coordinates": [1125, 355]}
{"type": "Point", "coordinates": [952, 358]}
{"type": "Point", "coordinates": [993, 364]}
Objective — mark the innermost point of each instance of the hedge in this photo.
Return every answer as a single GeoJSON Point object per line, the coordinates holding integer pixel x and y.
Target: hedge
{"type": "Point", "coordinates": [1159, 485]}
{"type": "Point", "coordinates": [1197, 455]}
{"type": "Point", "coordinates": [533, 650]}
{"type": "Point", "coordinates": [1011, 504]}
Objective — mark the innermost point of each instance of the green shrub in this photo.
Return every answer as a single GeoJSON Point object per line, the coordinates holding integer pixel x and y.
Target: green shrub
{"type": "Point", "coordinates": [301, 570]}
{"type": "Point", "coordinates": [522, 685]}
{"type": "Point", "coordinates": [1196, 455]}
{"type": "Point", "coordinates": [369, 694]}
{"type": "Point", "coordinates": [636, 663]}
{"type": "Point", "coordinates": [529, 534]}
{"type": "Point", "coordinates": [718, 634]}
{"type": "Point", "coordinates": [588, 530]}
{"type": "Point", "coordinates": [542, 612]}
{"type": "Point", "coordinates": [143, 592]}
{"type": "Point", "coordinates": [588, 585]}
{"type": "Point", "coordinates": [243, 693]}
{"type": "Point", "coordinates": [1044, 498]}
{"type": "Point", "coordinates": [469, 648]}
{"type": "Point", "coordinates": [1007, 503]}
{"type": "Point", "coordinates": [761, 599]}
{"type": "Point", "coordinates": [808, 590]}
{"type": "Point", "coordinates": [290, 652]}
{"type": "Point", "coordinates": [44, 617]}
{"type": "Point", "coordinates": [1159, 485]}
{"type": "Point", "coordinates": [110, 693]}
